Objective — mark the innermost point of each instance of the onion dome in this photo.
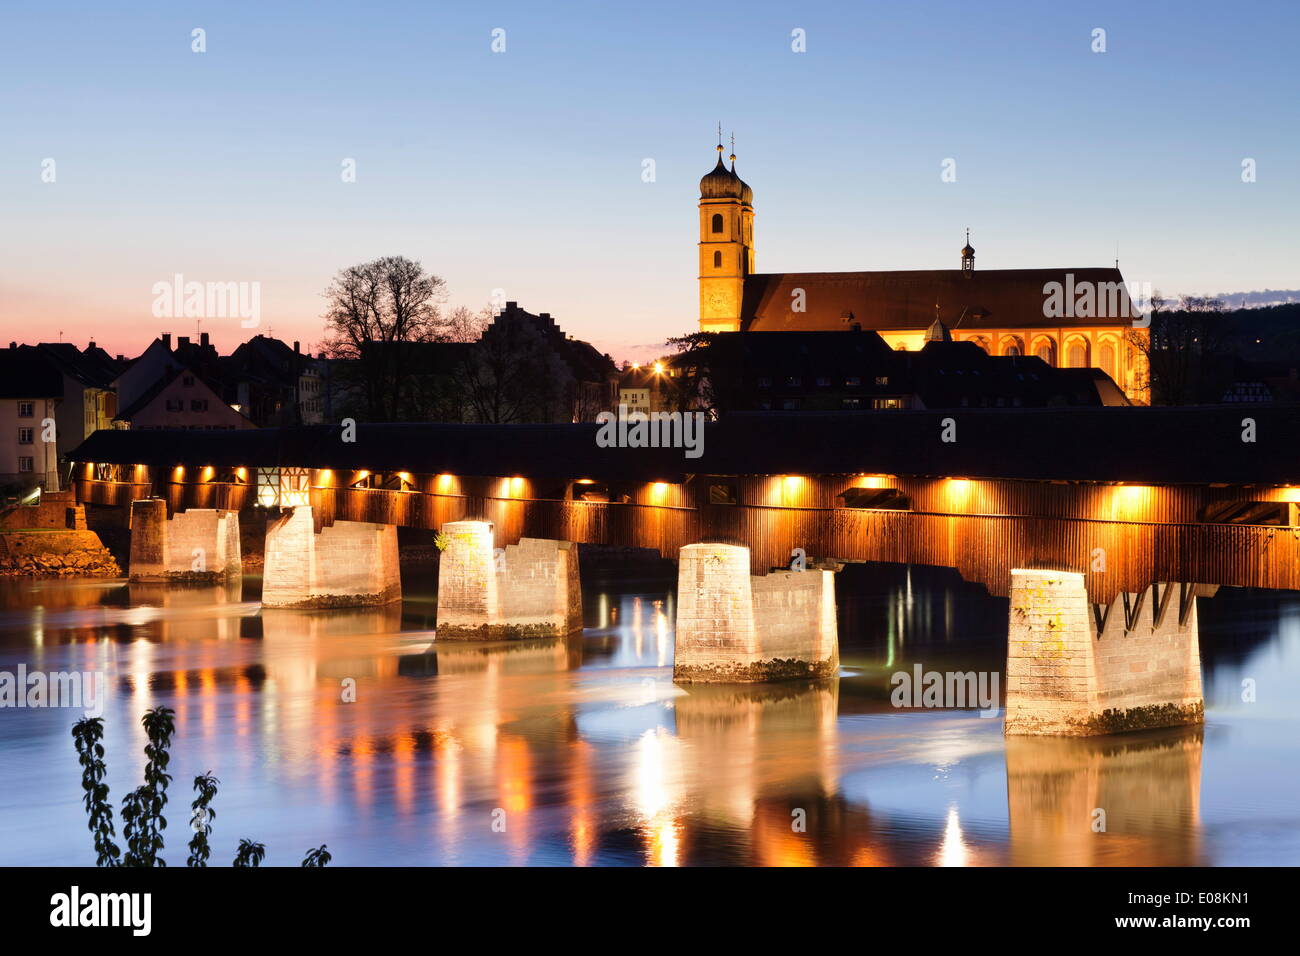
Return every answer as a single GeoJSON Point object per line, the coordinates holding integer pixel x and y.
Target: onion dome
{"type": "Point", "coordinates": [723, 183]}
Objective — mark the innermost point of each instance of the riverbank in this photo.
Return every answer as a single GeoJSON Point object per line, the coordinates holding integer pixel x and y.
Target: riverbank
{"type": "Point", "coordinates": [42, 551]}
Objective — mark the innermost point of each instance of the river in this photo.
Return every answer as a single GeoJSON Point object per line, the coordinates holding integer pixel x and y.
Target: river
{"type": "Point", "coordinates": [357, 729]}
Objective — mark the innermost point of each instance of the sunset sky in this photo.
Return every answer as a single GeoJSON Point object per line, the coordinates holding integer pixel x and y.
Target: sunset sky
{"type": "Point", "coordinates": [522, 170]}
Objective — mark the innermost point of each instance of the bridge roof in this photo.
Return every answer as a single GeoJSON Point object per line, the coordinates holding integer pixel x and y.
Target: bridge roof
{"type": "Point", "coordinates": [1184, 445]}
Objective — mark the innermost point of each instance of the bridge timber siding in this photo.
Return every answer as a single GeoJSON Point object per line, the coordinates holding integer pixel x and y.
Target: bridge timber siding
{"type": "Point", "coordinates": [980, 527]}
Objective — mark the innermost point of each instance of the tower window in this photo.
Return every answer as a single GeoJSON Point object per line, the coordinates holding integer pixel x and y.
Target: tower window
{"type": "Point", "coordinates": [717, 222]}
{"type": "Point", "coordinates": [717, 260]}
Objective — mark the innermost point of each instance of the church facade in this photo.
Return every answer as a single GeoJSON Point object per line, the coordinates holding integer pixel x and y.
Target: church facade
{"type": "Point", "coordinates": [1070, 318]}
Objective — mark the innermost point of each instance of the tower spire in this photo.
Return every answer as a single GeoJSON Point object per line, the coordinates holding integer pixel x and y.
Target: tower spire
{"type": "Point", "coordinates": [733, 152]}
{"type": "Point", "coordinates": [967, 255]}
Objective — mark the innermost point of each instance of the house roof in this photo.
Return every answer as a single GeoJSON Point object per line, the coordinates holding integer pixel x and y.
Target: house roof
{"type": "Point", "coordinates": [93, 367]}
{"type": "Point", "coordinates": [898, 301]}
{"type": "Point", "coordinates": [25, 372]}
{"type": "Point", "coordinates": [149, 395]}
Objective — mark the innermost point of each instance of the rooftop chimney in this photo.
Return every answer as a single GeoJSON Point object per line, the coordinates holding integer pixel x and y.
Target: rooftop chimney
{"type": "Point", "coordinates": [182, 341]}
{"type": "Point", "coordinates": [203, 339]}
{"type": "Point", "coordinates": [91, 345]}
{"type": "Point", "coordinates": [295, 346]}
{"type": "Point", "coordinates": [167, 339]}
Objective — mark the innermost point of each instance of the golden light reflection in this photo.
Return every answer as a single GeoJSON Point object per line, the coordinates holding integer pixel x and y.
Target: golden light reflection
{"type": "Point", "coordinates": [787, 491]}
{"type": "Point", "coordinates": [655, 796]}
{"type": "Point", "coordinates": [953, 850]}
{"type": "Point", "coordinates": [956, 492]}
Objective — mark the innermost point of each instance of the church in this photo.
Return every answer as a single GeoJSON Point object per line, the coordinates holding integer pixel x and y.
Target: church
{"type": "Point", "coordinates": [1003, 311]}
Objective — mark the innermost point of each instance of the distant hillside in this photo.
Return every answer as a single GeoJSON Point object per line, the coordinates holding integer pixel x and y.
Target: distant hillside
{"type": "Point", "coordinates": [1260, 299]}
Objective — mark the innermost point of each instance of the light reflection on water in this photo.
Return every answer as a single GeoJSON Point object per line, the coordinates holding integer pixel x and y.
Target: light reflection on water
{"type": "Point", "coordinates": [589, 753]}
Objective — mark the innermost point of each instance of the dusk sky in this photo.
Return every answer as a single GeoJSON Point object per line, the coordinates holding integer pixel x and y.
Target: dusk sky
{"type": "Point", "coordinates": [522, 170]}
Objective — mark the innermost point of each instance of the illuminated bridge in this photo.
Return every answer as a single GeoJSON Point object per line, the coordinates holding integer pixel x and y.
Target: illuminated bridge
{"type": "Point", "coordinates": [1079, 515]}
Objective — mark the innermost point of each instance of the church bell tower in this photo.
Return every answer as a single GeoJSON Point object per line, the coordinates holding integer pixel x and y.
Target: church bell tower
{"type": "Point", "coordinates": [726, 244]}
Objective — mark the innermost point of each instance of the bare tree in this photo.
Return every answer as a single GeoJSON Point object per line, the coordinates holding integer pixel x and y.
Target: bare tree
{"type": "Point", "coordinates": [466, 325]}
{"type": "Point", "coordinates": [1180, 346]}
{"type": "Point", "coordinates": [374, 310]}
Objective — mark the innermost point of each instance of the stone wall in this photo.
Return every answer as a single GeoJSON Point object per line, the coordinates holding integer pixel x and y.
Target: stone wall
{"type": "Point", "coordinates": [56, 510]}
{"type": "Point", "coordinates": [1063, 677]}
{"type": "Point", "coordinates": [732, 627]}
{"type": "Point", "coordinates": [530, 590]}
{"type": "Point", "coordinates": [198, 546]}
{"type": "Point", "coordinates": [349, 564]}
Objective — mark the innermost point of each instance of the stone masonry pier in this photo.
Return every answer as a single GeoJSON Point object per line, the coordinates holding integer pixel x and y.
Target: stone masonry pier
{"type": "Point", "coordinates": [1076, 669]}
{"type": "Point", "coordinates": [348, 564]}
{"type": "Point", "coordinates": [734, 627]}
{"type": "Point", "coordinates": [198, 546]}
{"type": "Point", "coordinates": [527, 590]}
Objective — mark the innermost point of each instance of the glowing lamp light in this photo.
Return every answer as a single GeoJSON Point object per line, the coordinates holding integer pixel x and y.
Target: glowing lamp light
{"type": "Point", "coordinates": [658, 491]}
{"type": "Point", "coordinates": [659, 368]}
{"type": "Point", "coordinates": [586, 481]}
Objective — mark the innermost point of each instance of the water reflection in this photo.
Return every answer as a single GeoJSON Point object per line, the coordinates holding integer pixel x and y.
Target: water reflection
{"type": "Point", "coordinates": [1129, 801]}
{"type": "Point", "coordinates": [357, 728]}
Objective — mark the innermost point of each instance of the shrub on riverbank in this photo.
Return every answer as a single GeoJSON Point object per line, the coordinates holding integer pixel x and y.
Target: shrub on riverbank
{"type": "Point", "coordinates": [143, 822]}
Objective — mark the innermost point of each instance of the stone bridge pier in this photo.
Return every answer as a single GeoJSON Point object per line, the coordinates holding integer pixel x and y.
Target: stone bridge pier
{"type": "Point", "coordinates": [348, 564]}
{"type": "Point", "coordinates": [734, 627]}
{"type": "Point", "coordinates": [527, 590]}
{"type": "Point", "coordinates": [1078, 669]}
{"type": "Point", "coordinates": [199, 546]}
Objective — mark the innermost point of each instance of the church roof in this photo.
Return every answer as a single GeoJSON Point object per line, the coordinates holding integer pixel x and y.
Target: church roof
{"type": "Point", "coordinates": [906, 300]}
{"type": "Point", "coordinates": [723, 183]}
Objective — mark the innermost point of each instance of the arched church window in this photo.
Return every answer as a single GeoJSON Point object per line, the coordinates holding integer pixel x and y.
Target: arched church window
{"type": "Point", "coordinates": [717, 260]}
{"type": "Point", "coordinates": [1108, 359]}
{"type": "Point", "coordinates": [717, 222]}
{"type": "Point", "coordinates": [1076, 356]}
{"type": "Point", "coordinates": [1046, 351]}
